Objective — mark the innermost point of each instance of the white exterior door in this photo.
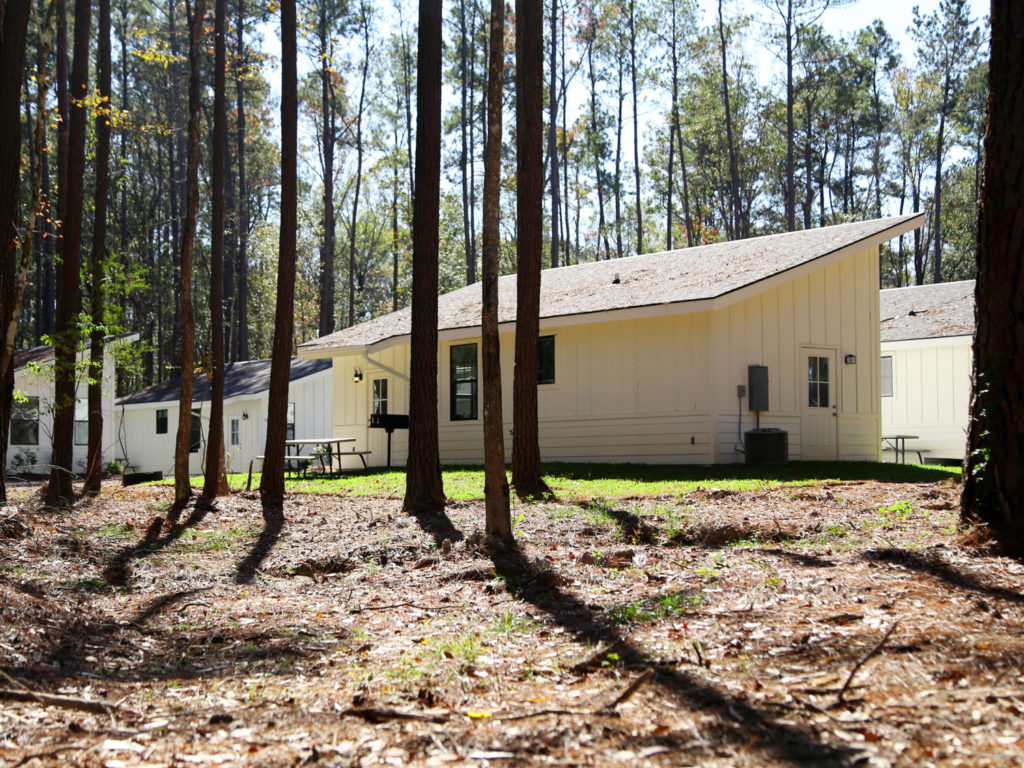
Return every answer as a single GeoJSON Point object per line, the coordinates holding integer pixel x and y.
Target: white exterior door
{"type": "Point", "coordinates": [820, 420]}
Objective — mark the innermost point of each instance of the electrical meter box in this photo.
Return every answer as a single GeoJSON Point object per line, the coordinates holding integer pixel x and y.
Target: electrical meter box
{"type": "Point", "coordinates": [757, 387]}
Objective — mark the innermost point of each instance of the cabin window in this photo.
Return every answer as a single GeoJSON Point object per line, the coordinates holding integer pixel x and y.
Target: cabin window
{"type": "Point", "coordinates": [546, 360]}
{"type": "Point", "coordinates": [236, 432]}
{"type": "Point", "coordinates": [25, 421]}
{"type": "Point", "coordinates": [463, 382]}
{"type": "Point", "coordinates": [195, 433]}
{"type": "Point", "coordinates": [887, 376]}
{"type": "Point", "coordinates": [81, 422]}
{"type": "Point", "coordinates": [289, 429]}
{"type": "Point", "coordinates": [161, 421]}
{"type": "Point", "coordinates": [380, 395]}
{"type": "Point", "coordinates": [817, 382]}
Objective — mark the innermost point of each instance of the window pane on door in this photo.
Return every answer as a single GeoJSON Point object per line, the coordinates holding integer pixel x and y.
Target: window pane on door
{"type": "Point", "coordinates": [817, 382]}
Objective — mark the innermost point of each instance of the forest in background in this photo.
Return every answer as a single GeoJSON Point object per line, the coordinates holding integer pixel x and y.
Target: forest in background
{"type": "Point", "coordinates": [660, 133]}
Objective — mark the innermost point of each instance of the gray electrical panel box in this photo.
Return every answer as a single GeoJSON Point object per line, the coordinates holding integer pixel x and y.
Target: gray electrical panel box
{"type": "Point", "coordinates": [757, 387]}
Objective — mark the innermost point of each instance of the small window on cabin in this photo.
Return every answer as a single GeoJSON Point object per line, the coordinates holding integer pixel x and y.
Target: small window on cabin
{"type": "Point", "coordinates": [887, 376]}
{"type": "Point", "coordinates": [25, 421]}
{"type": "Point", "coordinates": [463, 382]}
{"type": "Point", "coordinates": [81, 422]}
{"type": "Point", "coordinates": [546, 360]}
{"type": "Point", "coordinates": [236, 432]}
{"type": "Point", "coordinates": [380, 396]}
{"type": "Point", "coordinates": [289, 429]}
{"type": "Point", "coordinates": [161, 421]}
{"type": "Point", "coordinates": [195, 433]}
{"type": "Point", "coordinates": [817, 382]}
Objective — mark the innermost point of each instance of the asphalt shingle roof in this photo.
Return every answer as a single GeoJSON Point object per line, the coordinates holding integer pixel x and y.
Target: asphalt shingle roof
{"type": "Point", "coordinates": [242, 378]}
{"type": "Point", "coordinates": [668, 277]}
{"type": "Point", "coordinates": [927, 311]}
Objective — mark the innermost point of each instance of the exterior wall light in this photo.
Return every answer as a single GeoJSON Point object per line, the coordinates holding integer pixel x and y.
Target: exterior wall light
{"type": "Point", "coordinates": [357, 376]}
{"type": "Point", "coordinates": [850, 359]}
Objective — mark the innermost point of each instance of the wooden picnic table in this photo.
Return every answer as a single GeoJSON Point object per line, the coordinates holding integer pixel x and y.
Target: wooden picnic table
{"type": "Point", "coordinates": [899, 444]}
{"type": "Point", "coordinates": [324, 450]}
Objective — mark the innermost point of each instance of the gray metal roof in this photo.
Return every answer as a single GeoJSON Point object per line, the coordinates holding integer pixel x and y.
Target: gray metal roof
{"type": "Point", "coordinates": [242, 378]}
{"type": "Point", "coordinates": [927, 311]}
{"type": "Point", "coordinates": [668, 277]}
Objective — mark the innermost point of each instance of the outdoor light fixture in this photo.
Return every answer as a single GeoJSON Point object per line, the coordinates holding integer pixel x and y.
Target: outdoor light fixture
{"type": "Point", "coordinates": [357, 376]}
{"type": "Point", "coordinates": [245, 415]}
{"type": "Point", "coordinates": [850, 359]}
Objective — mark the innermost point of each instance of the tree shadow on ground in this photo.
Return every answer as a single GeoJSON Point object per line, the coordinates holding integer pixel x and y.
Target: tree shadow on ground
{"type": "Point", "coordinates": [631, 526]}
{"type": "Point", "coordinates": [739, 721]}
{"type": "Point", "coordinates": [273, 516]}
{"type": "Point", "coordinates": [934, 565]}
{"type": "Point", "coordinates": [808, 561]}
{"type": "Point", "coordinates": [117, 570]}
{"type": "Point", "coordinates": [438, 525]}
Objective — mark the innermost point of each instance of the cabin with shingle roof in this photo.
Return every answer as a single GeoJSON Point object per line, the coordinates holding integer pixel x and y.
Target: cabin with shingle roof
{"type": "Point", "coordinates": [149, 418]}
{"type": "Point", "coordinates": [926, 334]}
{"type": "Point", "coordinates": [30, 439]}
{"type": "Point", "coordinates": [641, 358]}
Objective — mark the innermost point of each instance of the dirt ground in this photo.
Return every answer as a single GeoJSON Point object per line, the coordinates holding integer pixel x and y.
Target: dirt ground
{"type": "Point", "coordinates": [837, 624]}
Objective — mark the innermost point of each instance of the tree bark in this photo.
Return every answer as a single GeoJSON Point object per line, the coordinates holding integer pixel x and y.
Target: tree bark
{"type": "Point", "coordinates": [59, 491]}
{"type": "Point", "coordinates": [424, 490]}
{"type": "Point", "coordinates": [13, 32]}
{"type": "Point", "coordinates": [328, 137]}
{"type": "Point", "coordinates": [526, 472]}
{"type": "Point", "coordinates": [734, 172]}
{"type": "Point", "coordinates": [636, 128]}
{"type": "Point", "coordinates": [241, 313]}
{"type": "Point", "coordinates": [496, 491]}
{"type": "Point", "coordinates": [272, 480]}
{"type": "Point", "coordinates": [98, 255]}
{"type": "Point", "coordinates": [993, 491]}
{"type": "Point", "coordinates": [353, 226]}
{"type": "Point", "coordinates": [182, 487]}
{"type": "Point", "coordinates": [215, 480]}
{"type": "Point", "coordinates": [553, 137]}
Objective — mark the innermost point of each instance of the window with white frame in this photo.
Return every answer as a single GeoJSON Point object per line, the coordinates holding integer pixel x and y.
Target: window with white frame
{"type": "Point", "coordinates": [887, 376]}
{"type": "Point", "coordinates": [289, 430]}
{"type": "Point", "coordinates": [25, 421]}
{"type": "Point", "coordinates": [236, 432]}
{"type": "Point", "coordinates": [380, 396]}
{"type": "Point", "coordinates": [81, 422]}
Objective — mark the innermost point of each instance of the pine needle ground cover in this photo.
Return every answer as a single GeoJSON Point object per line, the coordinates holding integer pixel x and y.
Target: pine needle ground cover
{"type": "Point", "coordinates": [832, 622]}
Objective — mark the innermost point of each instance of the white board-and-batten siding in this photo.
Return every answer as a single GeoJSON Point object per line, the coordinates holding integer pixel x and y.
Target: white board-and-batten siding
{"type": "Point", "coordinates": [931, 393]}
{"type": "Point", "coordinates": [148, 451]}
{"type": "Point", "coordinates": [660, 388]}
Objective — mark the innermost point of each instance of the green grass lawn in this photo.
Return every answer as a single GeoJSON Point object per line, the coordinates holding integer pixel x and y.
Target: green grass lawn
{"type": "Point", "coordinates": [611, 481]}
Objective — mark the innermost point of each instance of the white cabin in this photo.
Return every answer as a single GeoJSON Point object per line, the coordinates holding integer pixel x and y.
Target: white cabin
{"type": "Point", "coordinates": [927, 331]}
{"type": "Point", "coordinates": [30, 441]}
{"type": "Point", "coordinates": [149, 418]}
{"type": "Point", "coordinates": [641, 357]}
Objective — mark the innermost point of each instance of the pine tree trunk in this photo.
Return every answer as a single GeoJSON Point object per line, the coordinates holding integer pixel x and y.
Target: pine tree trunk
{"type": "Point", "coordinates": [526, 473]}
{"type": "Point", "coordinates": [353, 226]}
{"type": "Point", "coordinates": [496, 491]}
{"type": "Point", "coordinates": [734, 173]}
{"type": "Point", "coordinates": [636, 128]}
{"type": "Point", "coordinates": [424, 490]}
{"type": "Point", "coordinates": [182, 487]}
{"type": "Point", "coordinates": [993, 490]}
{"type": "Point", "coordinates": [327, 140]}
{"type": "Point", "coordinates": [241, 313]}
{"type": "Point", "coordinates": [215, 480]}
{"type": "Point", "coordinates": [556, 204]}
{"type": "Point", "coordinates": [66, 336]}
{"type": "Point", "coordinates": [13, 29]}
{"type": "Point", "coordinates": [272, 480]}
{"type": "Point", "coordinates": [98, 254]}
